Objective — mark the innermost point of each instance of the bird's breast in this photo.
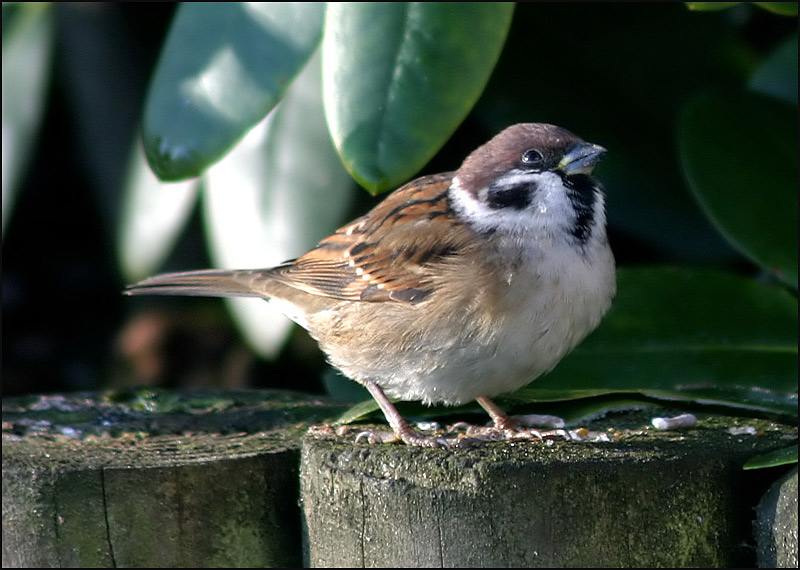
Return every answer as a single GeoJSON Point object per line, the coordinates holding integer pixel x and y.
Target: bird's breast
{"type": "Point", "coordinates": [481, 333]}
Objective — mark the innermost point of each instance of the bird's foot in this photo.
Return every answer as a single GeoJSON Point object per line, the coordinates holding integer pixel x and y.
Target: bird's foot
{"type": "Point", "coordinates": [518, 434]}
{"type": "Point", "coordinates": [516, 428]}
{"type": "Point", "coordinates": [525, 427]}
{"type": "Point", "coordinates": [410, 437]}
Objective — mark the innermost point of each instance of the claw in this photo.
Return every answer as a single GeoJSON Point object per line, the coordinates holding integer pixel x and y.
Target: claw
{"type": "Point", "coordinates": [376, 437]}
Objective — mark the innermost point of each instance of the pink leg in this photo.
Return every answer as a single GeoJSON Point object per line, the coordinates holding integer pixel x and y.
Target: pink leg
{"type": "Point", "coordinates": [499, 417]}
{"type": "Point", "coordinates": [513, 428]}
{"type": "Point", "coordinates": [399, 425]}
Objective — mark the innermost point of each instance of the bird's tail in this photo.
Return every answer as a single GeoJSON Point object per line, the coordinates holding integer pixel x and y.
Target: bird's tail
{"type": "Point", "coordinates": [204, 283]}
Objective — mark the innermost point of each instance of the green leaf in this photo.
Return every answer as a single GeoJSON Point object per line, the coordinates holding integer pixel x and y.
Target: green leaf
{"type": "Point", "coordinates": [697, 335]}
{"type": "Point", "coordinates": [153, 214]}
{"type": "Point", "coordinates": [27, 54]}
{"type": "Point", "coordinates": [104, 80]}
{"type": "Point", "coordinates": [780, 8]}
{"type": "Point", "coordinates": [273, 197]}
{"type": "Point", "coordinates": [740, 157]}
{"type": "Point", "coordinates": [223, 67]}
{"type": "Point", "coordinates": [400, 77]}
{"type": "Point", "coordinates": [776, 458]}
{"type": "Point", "coordinates": [710, 6]}
{"type": "Point", "coordinates": [777, 76]}
{"type": "Point", "coordinates": [358, 411]}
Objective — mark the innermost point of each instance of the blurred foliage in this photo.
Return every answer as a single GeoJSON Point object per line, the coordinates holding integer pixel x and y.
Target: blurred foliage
{"type": "Point", "coordinates": [697, 104]}
{"type": "Point", "coordinates": [783, 8]}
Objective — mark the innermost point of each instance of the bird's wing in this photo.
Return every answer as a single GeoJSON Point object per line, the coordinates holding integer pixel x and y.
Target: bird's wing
{"type": "Point", "coordinates": [389, 254]}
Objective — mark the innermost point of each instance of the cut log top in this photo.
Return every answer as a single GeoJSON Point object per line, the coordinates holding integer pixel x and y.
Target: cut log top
{"type": "Point", "coordinates": [146, 428]}
{"type": "Point", "coordinates": [234, 479]}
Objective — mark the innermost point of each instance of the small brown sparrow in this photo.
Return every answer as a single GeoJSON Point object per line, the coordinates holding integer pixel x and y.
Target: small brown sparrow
{"type": "Point", "coordinates": [458, 286]}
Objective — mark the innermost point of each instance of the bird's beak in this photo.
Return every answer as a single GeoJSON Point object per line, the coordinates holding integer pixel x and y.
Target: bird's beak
{"type": "Point", "coordinates": [581, 158]}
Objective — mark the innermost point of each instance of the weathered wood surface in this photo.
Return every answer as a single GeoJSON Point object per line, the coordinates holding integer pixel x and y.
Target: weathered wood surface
{"type": "Point", "coordinates": [197, 480]}
{"type": "Point", "coordinates": [645, 499]}
{"type": "Point", "coordinates": [214, 480]}
{"type": "Point", "coordinates": [777, 524]}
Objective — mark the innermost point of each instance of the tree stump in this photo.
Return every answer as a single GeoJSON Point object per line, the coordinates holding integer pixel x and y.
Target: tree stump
{"type": "Point", "coordinates": [776, 525]}
{"type": "Point", "coordinates": [155, 480]}
{"type": "Point", "coordinates": [644, 499]}
{"type": "Point", "coordinates": [217, 479]}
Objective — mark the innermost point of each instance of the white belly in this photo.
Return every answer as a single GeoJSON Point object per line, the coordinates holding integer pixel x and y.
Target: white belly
{"type": "Point", "coordinates": [548, 313]}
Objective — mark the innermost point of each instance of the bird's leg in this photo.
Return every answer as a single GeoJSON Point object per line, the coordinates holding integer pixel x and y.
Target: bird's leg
{"type": "Point", "coordinates": [499, 417]}
{"type": "Point", "coordinates": [399, 425]}
{"type": "Point", "coordinates": [517, 427]}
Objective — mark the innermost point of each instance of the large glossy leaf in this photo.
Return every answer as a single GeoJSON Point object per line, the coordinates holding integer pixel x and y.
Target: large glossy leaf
{"type": "Point", "coordinates": [782, 8]}
{"type": "Point", "coordinates": [152, 215]}
{"type": "Point", "coordinates": [785, 456]}
{"type": "Point", "coordinates": [740, 157]}
{"type": "Point", "coordinates": [224, 66]}
{"type": "Point", "coordinates": [104, 81]}
{"type": "Point", "coordinates": [710, 6]}
{"type": "Point", "coordinates": [777, 76]}
{"type": "Point", "coordinates": [276, 194]}
{"type": "Point", "coordinates": [400, 77]}
{"type": "Point", "coordinates": [697, 335]}
{"type": "Point", "coordinates": [27, 44]}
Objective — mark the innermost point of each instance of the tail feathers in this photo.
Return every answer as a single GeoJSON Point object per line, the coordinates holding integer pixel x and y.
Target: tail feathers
{"type": "Point", "coordinates": [205, 283]}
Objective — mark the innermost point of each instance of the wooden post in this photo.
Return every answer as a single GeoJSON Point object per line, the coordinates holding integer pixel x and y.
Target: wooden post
{"type": "Point", "coordinates": [645, 499]}
{"type": "Point", "coordinates": [154, 480]}
{"type": "Point", "coordinates": [218, 479]}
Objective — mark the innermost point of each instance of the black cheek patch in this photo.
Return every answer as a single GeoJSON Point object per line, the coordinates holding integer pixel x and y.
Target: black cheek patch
{"type": "Point", "coordinates": [517, 197]}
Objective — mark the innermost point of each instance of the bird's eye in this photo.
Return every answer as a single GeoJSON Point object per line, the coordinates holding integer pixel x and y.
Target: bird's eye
{"type": "Point", "coordinates": [532, 157]}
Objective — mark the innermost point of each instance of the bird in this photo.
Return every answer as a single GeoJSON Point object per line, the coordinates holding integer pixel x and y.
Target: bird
{"type": "Point", "coordinates": [457, 287]}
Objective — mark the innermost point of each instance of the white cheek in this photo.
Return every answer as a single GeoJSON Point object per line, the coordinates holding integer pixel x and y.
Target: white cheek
{"type": "Point", "coordinates": [550, 211]}
{"type": "Point", "coordinates": [463, 202]}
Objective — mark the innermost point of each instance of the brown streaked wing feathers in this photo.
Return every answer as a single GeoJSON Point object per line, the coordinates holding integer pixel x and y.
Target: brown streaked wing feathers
{"type": "Point", "coordinates": [386, 255]}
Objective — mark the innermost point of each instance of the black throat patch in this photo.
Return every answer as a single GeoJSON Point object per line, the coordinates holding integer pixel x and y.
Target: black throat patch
{"type": "Point", "coordinates": [582, 191]}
